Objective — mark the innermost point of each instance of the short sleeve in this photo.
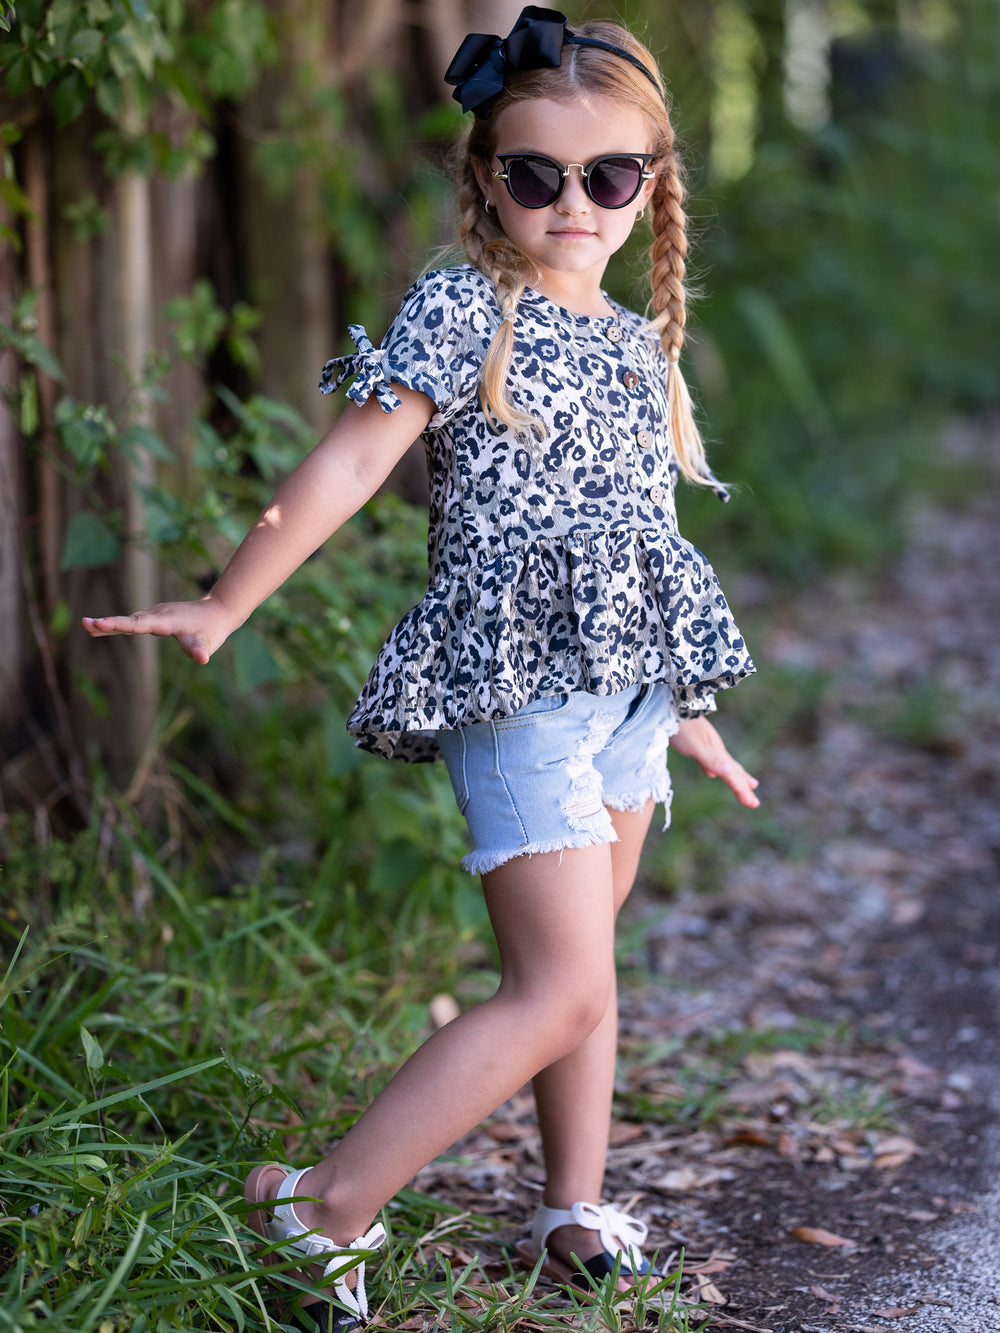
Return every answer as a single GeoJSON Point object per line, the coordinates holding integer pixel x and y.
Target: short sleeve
{"type": "Point", "coordinates": [435, 345]}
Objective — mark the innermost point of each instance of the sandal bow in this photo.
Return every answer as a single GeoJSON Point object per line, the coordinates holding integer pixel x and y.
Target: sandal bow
{"type": "Point", "coordinates": [282, 1225]}
{"type": "Point", "coordinates": [619, 1232]}
{"type": "Point", "coordinates": [621, 1237]}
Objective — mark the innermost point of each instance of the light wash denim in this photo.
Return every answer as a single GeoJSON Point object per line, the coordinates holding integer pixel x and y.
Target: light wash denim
{"type": "Point", "coordinates": [545, 778]}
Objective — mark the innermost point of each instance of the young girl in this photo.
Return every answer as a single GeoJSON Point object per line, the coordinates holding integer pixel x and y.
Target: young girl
{"type": "Point", "coordinates": [568, 633]}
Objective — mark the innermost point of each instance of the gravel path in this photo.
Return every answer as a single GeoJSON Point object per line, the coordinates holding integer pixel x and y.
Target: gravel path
{"type": "Point", "coordinates": [891, 919]}
{"type": "Point", "coordinates": [868, 908]}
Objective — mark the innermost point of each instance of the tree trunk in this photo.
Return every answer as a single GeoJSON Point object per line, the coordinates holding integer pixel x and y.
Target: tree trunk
{"type": "Point", "coordinates": [11, 600]}
{"type": "Point", "coordinates": [37, 181]}
{"type": "Point", "coordinates": [283, 237]}
{"type": "Point", "coordinates": [138, 330]}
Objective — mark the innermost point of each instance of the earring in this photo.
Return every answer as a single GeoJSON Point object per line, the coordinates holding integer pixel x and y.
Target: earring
{"type": "Point", "coordinates": [487, 205]}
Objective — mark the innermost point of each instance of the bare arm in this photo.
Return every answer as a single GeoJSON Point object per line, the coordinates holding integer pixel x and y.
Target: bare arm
{"type": "Point", "coordinates": [344, 471]}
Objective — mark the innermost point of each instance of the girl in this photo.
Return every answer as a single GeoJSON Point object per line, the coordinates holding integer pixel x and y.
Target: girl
{"type": "Point", "coordinates": [568, 633]}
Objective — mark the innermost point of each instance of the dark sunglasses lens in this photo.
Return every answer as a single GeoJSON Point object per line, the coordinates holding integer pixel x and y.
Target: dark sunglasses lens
{"type": "Point", "coordinates": [615, 181]}
{"type": "Point", "coordinates": [533, 181]}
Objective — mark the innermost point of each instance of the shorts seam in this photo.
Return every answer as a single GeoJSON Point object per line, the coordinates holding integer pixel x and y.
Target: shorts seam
{"type": "Point", "coordinates": [503, 778]}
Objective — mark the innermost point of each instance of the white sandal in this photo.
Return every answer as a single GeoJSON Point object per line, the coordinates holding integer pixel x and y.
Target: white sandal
{"type": "Point", "coordinates": [621, 1236]}
{"type": "Point", "coordinates": [277, 1222]}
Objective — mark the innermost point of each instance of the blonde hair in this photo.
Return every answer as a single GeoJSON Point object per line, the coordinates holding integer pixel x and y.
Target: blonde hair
{"type": "Point", "coordinates": [587, 69]}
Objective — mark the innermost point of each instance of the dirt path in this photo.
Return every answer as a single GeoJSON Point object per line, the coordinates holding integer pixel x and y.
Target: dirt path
{"type": "Point", "coordinates": [871, 937]}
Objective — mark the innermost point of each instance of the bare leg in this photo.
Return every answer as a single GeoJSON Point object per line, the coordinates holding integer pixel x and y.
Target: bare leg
{"type": "Point", "coordinates": [553, 916]}
{"type": "Point", "coordinates": [573, 1095]}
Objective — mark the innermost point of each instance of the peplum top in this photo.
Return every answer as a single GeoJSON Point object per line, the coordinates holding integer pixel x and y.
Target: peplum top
{"type": "Point", "coordinates": [554, 565]}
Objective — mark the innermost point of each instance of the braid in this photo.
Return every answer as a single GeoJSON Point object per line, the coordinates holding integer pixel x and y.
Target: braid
{"type": "Point", "coordinates": [668, 255]}
{"type": "Point", "coordinates": [508, 270]}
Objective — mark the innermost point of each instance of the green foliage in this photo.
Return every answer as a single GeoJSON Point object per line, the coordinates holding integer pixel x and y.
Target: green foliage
{"type": "Point", "coordinates": [845, 310]}
{"type": "Point", "coordinates": [158, 1040]}
{"type": "Point", "coordinates": [124, 1131]}
{"type": "Point", "coordinates": [123, 55]}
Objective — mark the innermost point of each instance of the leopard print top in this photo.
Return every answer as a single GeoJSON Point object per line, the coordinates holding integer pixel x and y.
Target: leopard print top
{"type": "Point", "coordinates": [554, 566]}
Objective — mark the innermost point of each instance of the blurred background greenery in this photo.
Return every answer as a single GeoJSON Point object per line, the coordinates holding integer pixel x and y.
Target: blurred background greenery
{"type": "Point", "coordinates": [195, 200]}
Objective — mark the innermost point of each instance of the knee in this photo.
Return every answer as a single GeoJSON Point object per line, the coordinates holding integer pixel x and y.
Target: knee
{"type": "Point", "coordinates": [560, 1015]}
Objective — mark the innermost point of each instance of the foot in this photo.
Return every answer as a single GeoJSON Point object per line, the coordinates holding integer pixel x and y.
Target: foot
{"type": "Point", "coordinates": [269, 1190]}
{"type": "Point", "coordinates": [599, 1236]}
{"type": "Point", "coordinates": [565, 1242]}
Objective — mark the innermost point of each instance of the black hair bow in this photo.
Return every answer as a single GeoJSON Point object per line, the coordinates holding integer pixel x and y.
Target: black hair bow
{"type": "Point", "coordinates": [535, 42]}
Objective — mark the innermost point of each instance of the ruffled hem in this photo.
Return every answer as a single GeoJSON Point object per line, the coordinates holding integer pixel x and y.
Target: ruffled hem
{"type": "Point", "coordinates": [597, 612]}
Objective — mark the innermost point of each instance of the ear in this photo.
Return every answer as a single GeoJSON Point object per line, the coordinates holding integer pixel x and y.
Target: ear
{"type": "Point", "coordinates": [485, 178]}
{"type": "Point", "coordinates": [646, 193]}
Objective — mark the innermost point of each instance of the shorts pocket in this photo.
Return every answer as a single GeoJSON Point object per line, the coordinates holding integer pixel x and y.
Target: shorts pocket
{"type": "Point", "coordinates": [453, 751]}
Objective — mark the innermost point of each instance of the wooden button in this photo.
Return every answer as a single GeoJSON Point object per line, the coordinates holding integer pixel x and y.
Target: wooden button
{"type": "Point", "coordinates": [644, 439]}
{"type": "Point", "coordinates": [656, 494]}
{"type": "Point", "coordinates": [614, 333]}
{"type": "Point", "coordinates": [630, 379]}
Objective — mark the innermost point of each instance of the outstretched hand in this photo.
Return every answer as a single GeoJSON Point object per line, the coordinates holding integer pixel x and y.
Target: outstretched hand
{"type": "Point", "coordinates": [699, 740]}
{"type": "Point", "coordinates": [199, 627]}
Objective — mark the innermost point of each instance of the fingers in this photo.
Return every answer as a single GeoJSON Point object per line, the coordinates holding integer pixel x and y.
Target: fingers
{"type": "Point", "coordinates": [99, 626]}
{"type": "Point", "coordinates": [741, 783]}
{"type": "Point", "coordinates": [196, 648]}
{"type": "Point", "coordinates": [157, 621]}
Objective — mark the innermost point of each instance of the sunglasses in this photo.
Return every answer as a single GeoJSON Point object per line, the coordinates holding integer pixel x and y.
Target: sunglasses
{"type": "Point", "coordinates": [534, 181]}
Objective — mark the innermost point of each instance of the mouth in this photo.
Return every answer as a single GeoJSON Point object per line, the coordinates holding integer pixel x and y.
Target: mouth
{"type": "Point", "coordinates": [570, 232]}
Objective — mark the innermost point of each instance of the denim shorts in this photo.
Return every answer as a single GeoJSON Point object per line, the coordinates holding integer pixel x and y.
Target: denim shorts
{"type": "Point", "coordinates": [545, 778]}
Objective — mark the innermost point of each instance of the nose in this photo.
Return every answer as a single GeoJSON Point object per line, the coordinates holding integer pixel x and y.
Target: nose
{"type": "Point", "coordinates": [574, 197]}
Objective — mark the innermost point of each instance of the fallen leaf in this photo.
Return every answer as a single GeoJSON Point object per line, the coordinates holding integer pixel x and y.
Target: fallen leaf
{"type": "Point", "coordinates": [824, 1295]}
{"type": "Point", "coordinates": [840, 1143]}
{"type": "Point", "coordinates": [853, 1162]}
{"type": "Point", "coordinates": [750, 1134]}
{"type": "Point", "coordinates": [764, 1063]}
{"type": "Point", "coordinates": [895, 1312]}
{"type": "Point", "coordinates": [817, 1236]}
{"type": "Point", "coordinates": [503, 1131]}
{"type": "Point", "coordinates": [624, 1132]}
{"type": "Point", "coordinates": [684, 1178]}
{"type": "Point", "coordinates": [893, 1151]}
{"type": "Point", "coordinates": [911, 1067]}
{"type": "Point", "coordinates": [680, 1179]}
{"type": "Point", "coordinates": [443, 1009]}
{"type": "Point", "coordinates": [712, 1265]}
{"type": "Point", "coordinates": [907, 911]}
{"type": "Point", "coordinates": [710, 1293]}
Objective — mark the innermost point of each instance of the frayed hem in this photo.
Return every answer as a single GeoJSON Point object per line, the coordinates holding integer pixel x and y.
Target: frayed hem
{"type": "Point", "coordinates": [629, 804]}
{"type": "Point", "coordinates": [481, 863]}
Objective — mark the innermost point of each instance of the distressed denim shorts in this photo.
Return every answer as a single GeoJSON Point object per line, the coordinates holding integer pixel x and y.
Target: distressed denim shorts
{"type": "Point", "coordinates": [545, 778]}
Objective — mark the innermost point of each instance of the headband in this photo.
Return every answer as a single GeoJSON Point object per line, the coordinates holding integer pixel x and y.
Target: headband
{"type": "Point", "coordinates": [535, 42]}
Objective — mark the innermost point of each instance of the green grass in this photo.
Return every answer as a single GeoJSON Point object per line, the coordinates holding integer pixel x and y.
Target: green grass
{"type": "Point", "coordinates": [158, 1039]}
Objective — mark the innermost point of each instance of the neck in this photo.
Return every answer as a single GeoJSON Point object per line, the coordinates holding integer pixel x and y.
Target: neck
{"type": "Point", "coordinates": [581, 299]}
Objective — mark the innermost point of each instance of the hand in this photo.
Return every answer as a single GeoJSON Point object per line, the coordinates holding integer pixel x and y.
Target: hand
{"type": "Point", "coordinates": [199, 627]}
{"type": "Point", "coordinates": [699, 740]}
